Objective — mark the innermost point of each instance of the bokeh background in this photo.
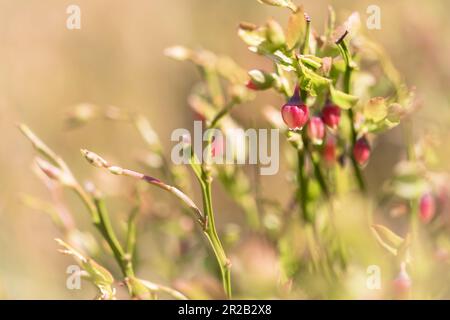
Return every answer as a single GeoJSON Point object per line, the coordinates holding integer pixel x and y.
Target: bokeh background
{"type": "Point", "coordinates": [117, 59]}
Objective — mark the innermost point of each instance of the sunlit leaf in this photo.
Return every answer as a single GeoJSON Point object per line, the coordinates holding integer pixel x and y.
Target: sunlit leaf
{"type": "Point", "coordinates": [311, 81]}
{"type": "Point", "coordinates": [251, 34]}
{"type": "Point", "coordinates": [280, 3]}
{"type": "Point", "coordinates": [296, 28]}
{"type": "Point", "coordinates": [275, 34]}
{"type": "Point", "coordinates": [342, 99]}
{"type": "Point", "coordinates": [376, 109]}
{"type": "Point", "coordinates": [97, 274]}
{"type": "Point", "coordinates": [387, 238]}
{"type": "Point", "coordinates": [311, 61]}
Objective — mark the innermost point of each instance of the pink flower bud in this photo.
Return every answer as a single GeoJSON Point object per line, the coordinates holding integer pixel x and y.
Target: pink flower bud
{"type": "Point", "coordinates": [295, 113]}
{"type": "Point", "coordinates": [331, 115]}
{"type": "Point", "coordinates": [316, 130]}
{"type": "Point", "coordinates": [329, 152]}
{"type": "Point", "coordinates": [427, 208]}
{"type": "Point", "coordinates": [361, 151]}
{"type": "Point", "coordinates": [402, 284]}
{"type": "Point", "coordinates": [50, 170]}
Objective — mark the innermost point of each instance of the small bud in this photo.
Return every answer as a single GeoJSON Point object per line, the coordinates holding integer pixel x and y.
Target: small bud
{"type": "Point", "coordinates": [295, 113]}
{"type": "Point", "coordinates": [275, 33]}
{"type": "Point", "coordinates": [53, 172]}
{"type": "Point", "coordinates": [94, 159]}
{"type": "Point", "coordinates": [402, 284]}
{"type": "Point", "coordinates": [260, 80]}
{"type": "Point", "coordinates": [115, 170]}
{"type": "Point", "coordinates": [331, 115]}
{"type": "Point", "coordinates": [427, 208]}
{"type": "Point", "coordinates": [361, 151]}
{"type": "Point", "coordinates": [50, 171]}
{"type": "Point", "coordinates": [316, 130]}
{"type": "Point", "coordinates": [329, 152]}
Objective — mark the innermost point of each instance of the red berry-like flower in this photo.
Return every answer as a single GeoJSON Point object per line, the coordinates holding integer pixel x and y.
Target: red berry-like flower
{"type": "Point", "coordinates": [295, 113]}
{"type": "Point", "coordinates": [316, 130]}
{"type": "Point", "coordinates": [427, 208]}
{"type": "Point", "coordinates": [331, 115]}
{"type": "Point", "coordinates": [361, 151]}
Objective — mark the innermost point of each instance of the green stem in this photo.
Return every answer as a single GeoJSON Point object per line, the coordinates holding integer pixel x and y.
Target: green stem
{"type": "Point", "coordinates": [131, 232]}
{"type": "Point", "coordinates": [356, 168]}
{"type": "Point", "coordinates": [105, 227]}
{"type": "Point", "coordinates": [213, 237]}
{"type": "Point", "coordinates": [210, 227]}
{"type": "Point", "coordinates": [319, 175]}
{"type": "Point", "coordinates": [100, 218]}
{"type": "Point", "coordinates": [305, 46]}
{"type": "Point", "coordinates": [347, 89]}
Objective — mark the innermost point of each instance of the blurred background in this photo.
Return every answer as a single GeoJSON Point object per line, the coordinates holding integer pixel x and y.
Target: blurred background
{"type": "Point", "coordinates": [116, 59]}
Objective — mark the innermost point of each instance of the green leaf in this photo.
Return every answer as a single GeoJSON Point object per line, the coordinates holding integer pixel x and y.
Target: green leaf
{"type": "Point", "coordinates": [311, 61]}
{"type": "Point", "coordinates": [376, 109]}
{"type": "Point", "coordinates": [280, 3]}
{"type": "Point", "coordinates": [311, 81]}
{"type": "Point", "coordinates": [342, 99]}
{"type": "Point", "coordinates": [387, 238]}
{"type": "Point", "coordinates": [251, 34]}
{"type": "Point", "coordinates": [275, 34]}
{"type": "Point", "coordinates": [282, 58]}
{"type": "Point", "coordinates": [98, 274]}
{"type": "Point", "coordinates": [296, 28]}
